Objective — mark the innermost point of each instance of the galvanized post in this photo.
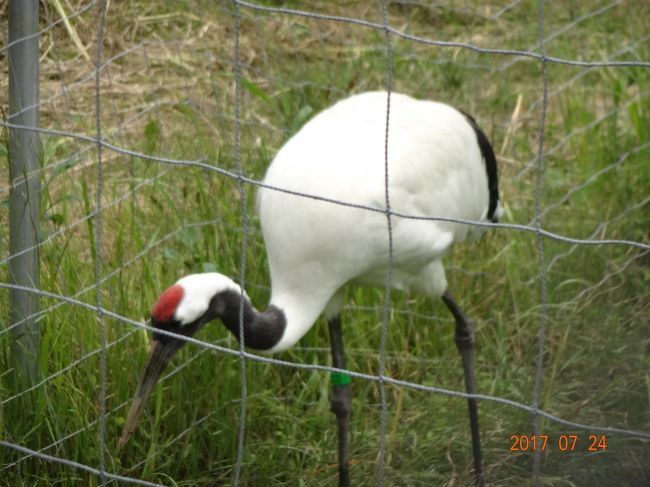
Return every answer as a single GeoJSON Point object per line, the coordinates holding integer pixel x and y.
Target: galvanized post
{"type": "Point", "coordinates": [24, 197]}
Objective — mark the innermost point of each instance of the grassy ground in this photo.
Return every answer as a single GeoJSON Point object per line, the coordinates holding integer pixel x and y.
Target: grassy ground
{"type": "Point", "coordinates": [168, 91]}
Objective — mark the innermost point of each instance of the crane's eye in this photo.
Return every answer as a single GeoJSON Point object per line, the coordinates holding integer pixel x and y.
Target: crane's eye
{"type": "Point", "coordinates": [172, 326]}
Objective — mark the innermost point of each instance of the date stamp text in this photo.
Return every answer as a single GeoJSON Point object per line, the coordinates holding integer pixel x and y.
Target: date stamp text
{"type": "Point", "coordinates": [563, 443]}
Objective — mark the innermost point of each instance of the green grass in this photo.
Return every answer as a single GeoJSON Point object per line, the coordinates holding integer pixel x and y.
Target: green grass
{"type": "Point", "coordinates": [176, 100]}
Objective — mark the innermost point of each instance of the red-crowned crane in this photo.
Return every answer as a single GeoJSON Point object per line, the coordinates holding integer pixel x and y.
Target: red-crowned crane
{"type": "Point", "coordinates": [440, 164]}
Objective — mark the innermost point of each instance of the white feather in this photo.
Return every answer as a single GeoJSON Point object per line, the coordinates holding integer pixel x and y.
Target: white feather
{"type": "Point", "coordinates": [314, 248]}
{"type": "Point", "coordinates": [199, 289]}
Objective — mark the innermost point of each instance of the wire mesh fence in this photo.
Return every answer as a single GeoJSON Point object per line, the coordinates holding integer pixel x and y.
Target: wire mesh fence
{"type": "Point", "coordinates": [155, 131]}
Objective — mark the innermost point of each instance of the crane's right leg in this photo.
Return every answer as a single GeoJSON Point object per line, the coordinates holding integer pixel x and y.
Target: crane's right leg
{"type": "Point", "coordinates": [341, 398]}
{"type": "Point", "coordinates": [465, 344]}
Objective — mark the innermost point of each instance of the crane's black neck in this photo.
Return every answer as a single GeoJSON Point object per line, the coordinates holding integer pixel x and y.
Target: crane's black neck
{"type": "Point", "coordinates": [262, 329]}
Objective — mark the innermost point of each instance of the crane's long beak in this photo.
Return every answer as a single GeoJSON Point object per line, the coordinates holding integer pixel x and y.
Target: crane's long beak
{"type": "Point", "coordinates": [159, 356]}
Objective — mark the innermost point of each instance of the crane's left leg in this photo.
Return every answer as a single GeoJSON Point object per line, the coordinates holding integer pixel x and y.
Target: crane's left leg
{"type": "Point", "coordinates": [341, 398]}
{"type": "Point", "coordinates": [465, 344]}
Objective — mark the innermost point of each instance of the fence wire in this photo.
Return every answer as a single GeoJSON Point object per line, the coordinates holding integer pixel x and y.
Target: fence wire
{"type": "Point", "coordinates": [101, 430]}
{"type": "Point", "coordinates": [383, 420]}
{"type": "Point", "coordinates": [69, 86]}
{"type": "Point", "coordinates": [541, 335]}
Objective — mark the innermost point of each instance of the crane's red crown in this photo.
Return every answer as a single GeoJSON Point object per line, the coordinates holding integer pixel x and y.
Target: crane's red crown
{"type": "Point", "coordinates": [167, 303]}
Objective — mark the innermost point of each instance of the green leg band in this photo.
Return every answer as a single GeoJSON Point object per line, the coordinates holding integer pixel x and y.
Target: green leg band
{"type": "Point", "coordinates": [340, 379]}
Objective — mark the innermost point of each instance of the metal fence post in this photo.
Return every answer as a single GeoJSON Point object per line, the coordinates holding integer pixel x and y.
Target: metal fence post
{"type": "Point", "coordinates": [24, 197]}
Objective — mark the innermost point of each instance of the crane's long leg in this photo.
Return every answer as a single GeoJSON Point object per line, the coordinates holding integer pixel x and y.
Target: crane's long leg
{"type": "Point", "coordinates": [465, 344]}
{"type": "Point", "coordinates": [341, 398]}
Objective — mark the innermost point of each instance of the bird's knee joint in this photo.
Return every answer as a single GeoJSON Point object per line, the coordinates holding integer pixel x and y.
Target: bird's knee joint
{"type": "Point", "coordinates": [341, 400]}
{"type": "Point", "coordinates": [464, 340]}
{"type": "Point", "coordinates": [340, 408]}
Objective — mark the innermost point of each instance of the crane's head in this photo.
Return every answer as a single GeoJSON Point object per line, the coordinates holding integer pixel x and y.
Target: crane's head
{"type": "Point", "coordinates": [181, 309]}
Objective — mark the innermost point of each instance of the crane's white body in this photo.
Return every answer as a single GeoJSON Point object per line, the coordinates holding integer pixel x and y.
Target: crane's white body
{"type": "Point", "coordinates": [435, 169]}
